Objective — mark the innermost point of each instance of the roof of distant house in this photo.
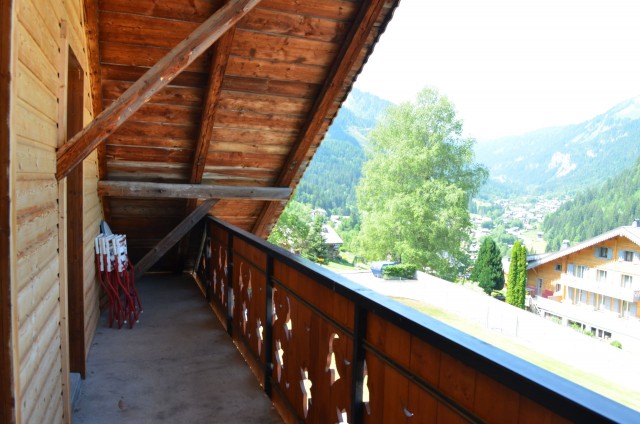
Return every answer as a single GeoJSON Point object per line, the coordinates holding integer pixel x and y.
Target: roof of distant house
{"type": "Point", "coordinates": [330, 236]}
{"type": "Point", "coordinates": [632, 233]}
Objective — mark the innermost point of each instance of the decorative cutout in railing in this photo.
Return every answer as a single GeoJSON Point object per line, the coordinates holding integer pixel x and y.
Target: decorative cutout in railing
{"type": "Point", "coordinates": [327, 350]}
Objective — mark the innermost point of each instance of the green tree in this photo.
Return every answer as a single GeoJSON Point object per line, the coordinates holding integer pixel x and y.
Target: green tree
{"type": "Point", "coordinates": [317, 248]}
{"type": "Point", "coordinates": [517, 281]}
{"type": "Point", "coordinates": [488, 267]}
{"type": "Point", "coordinates": [292, 229]}
{"type": "Point", "coordinates": [416, 186]}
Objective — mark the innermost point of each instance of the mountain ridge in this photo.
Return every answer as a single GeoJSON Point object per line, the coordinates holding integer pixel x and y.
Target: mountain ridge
{"type": "Point", "coordinates": [566, 158]}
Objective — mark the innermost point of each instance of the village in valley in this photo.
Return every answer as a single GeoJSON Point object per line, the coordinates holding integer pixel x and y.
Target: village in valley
{"type": "Point", "coordinates": [521, 218]}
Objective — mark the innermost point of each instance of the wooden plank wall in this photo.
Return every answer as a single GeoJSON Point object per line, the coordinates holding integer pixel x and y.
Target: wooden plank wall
{"type": "Point", "coordinates": [36, 101]}
{"type": "Point", "coordinates": [7, 414]}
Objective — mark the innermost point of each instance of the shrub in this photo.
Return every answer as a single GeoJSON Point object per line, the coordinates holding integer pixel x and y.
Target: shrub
{"type": "Point", "coordinates": [394, 272]}
{"type": "Point", "coordinates": [616, 343]}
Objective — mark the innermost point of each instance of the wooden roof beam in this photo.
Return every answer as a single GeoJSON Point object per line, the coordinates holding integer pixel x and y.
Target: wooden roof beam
{"type": "Point", "coordinates": [216, 75]}
{"type": "Point", "coordinates": [190, 191]}
{"type": "Point", "coordinates": [161, 74]}
{"type": "Point", "coordinates": [348, 55]}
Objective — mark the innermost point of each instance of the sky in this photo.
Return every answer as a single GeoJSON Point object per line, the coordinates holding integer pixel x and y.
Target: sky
{"type": "Point", "coordinates": [511, 66]}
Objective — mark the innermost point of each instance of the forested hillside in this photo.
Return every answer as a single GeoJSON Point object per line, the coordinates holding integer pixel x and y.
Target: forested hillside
{"type": "Point", "coordinates": [329, 182]}
{"type": "Point", "coordinates": [564, 159]}
{"type": "Point", "coordinates": [614, 203]}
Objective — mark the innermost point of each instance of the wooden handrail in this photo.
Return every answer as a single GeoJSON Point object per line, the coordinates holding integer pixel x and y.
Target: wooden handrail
{"type": "Point", "coordinates": [390, 336]}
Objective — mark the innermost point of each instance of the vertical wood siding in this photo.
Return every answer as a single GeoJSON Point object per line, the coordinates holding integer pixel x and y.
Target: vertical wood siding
{"type": "Point", "coordinates": [36, 104]}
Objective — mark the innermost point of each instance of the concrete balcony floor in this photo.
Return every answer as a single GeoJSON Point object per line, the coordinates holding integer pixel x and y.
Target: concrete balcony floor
{"type": "Point", "coordinates": [176, 365]}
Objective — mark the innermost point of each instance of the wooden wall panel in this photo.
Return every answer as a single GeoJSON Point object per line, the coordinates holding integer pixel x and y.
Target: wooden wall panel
{"type": "Point", "coordinates": [40, 52]}
{"type": "Point", "coordinates": [92, 217]}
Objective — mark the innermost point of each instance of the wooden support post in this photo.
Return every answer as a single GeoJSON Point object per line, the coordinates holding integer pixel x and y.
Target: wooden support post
{"type": "Point", "coordinates": [230, 284]}
{"type": "Point", "coordinates": [172, 238]}
{"type": "Point", "coordinates": [7, 396]}
{"type": "Point", "coordinates": [190, 191]}
{"type": "Point", "coordinates": [75, 272]}
{"type": "Point", "coordinates": [161, 74]}
{"type": "Point", "coordinates": [357, 376]}
{"type": "Point", "coordinates": [268, 329]}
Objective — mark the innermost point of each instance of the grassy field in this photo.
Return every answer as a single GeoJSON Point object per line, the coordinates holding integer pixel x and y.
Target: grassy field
{"type": "Point", "coordinates": [533, 243]}
{"type": "Point", "coordinates": [339, 265]}
{"type": "Point", "coordinates": [597, 384]}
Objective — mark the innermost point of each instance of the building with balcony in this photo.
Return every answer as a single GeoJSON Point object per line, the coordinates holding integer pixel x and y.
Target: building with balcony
{"type": "Point", "coordinates": [594, 285]}
{"type": "Point", "coordinates": [186, 124]}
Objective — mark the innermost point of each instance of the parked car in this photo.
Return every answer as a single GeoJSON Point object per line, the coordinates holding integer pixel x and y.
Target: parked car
{"type": "Point", "coordinates": [376, 267]}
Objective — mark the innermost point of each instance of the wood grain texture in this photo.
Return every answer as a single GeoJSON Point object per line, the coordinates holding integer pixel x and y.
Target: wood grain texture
{"type": "Point", "coordinates": [7, 396]}
{"type": "Point", "coordinates": [75, 227]}
{"type": "Point", "coordinates": [172, 238]}
{"type": "Point", "coordinates": [95, 79]}
{"type": "Point", "coordinates": [189, 191]}
{"type": "Point", "coordinates": [157, 77]}
{"type": "Point", "coordinates": [356, 39]}
{"type": "Point", "coordinates": [216, 74]}
{"type": "Point", "coordinates": [75, 270]}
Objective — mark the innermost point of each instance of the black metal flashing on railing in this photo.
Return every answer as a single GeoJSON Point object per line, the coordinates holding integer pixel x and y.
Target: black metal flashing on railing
{"type": "Point", "coordinates": [556, 393]}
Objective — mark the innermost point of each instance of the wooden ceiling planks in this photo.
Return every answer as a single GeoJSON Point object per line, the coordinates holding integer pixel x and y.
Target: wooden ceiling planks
{"type": "Point", "coordinates": [270, 98]}
{"type": "Point", "coordinates": [348, 59]}
{"type": "Point", "coordinates": [159, 75]}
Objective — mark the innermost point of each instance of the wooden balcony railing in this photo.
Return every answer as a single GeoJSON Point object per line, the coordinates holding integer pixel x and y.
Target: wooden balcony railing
{"type": "Point", "coordinates": [327, 350]}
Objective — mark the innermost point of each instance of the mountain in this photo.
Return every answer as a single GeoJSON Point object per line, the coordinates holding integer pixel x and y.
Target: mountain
{"type": "Point", "coordinates": [564, 158]}
{"type": "Point", "coordinates": [330, 180]}
{"type": "Point", "coordinates": [614, 203]}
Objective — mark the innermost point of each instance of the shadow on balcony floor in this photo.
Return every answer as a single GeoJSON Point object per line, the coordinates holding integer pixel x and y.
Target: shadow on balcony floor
{"type": "Point", "coordinates": [176, 365]}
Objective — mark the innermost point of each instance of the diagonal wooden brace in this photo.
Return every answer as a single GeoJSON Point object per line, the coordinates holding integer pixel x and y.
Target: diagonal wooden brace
{"type": "Point", "coordinates": [172, 238]}
{"type": "Point", "coordinates": [161, 74]}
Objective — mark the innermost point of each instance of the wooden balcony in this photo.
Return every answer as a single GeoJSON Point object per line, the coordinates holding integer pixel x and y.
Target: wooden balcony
{"type": "Point", "coordinates": [610, 287]}
{"type": "Point", "coordinates": [327, 350]}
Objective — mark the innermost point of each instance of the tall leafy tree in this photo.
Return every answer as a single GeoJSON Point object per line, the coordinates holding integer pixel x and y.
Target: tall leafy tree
{"type": "Point", "coordinates": [488, 267]}
{"type": "Point", "coordinates": [416, 185]}
{"type": "Point", "coordinates": [517, 281]}
{"type": "Point", "coordinates": [292, 229]}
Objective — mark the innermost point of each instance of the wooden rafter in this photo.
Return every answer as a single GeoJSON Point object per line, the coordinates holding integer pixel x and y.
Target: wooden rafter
{"type": "Point", "coordinates": [163, 246]}
{"type": "Point", "coordinates": [190, 191]}
{"type": "Point", "coordinates": [219, 62]}
{"type": "Point", "coordinates": [161, 74]}
{"type": "Point", "coordinates": [95, 74]}
{"type": "Point", "coordinates": [216, 75]}
{"type": "Point", "coordinates": [348, 55]}
{"type": "Point", "coordinates": [95, 83]}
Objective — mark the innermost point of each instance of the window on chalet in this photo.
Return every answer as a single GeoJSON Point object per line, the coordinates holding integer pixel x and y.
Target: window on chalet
{"type": "Point", "coordinates": [626, 281]}
{"type": "Point", "coordinates": [580, 271]}
{"type": "Point", "coordinates": [558, 268]}
{"type": "Point", "coordinates": [603, 252]}
{"type": "Point", "coordinates": [627, 256]}
{"type": "Point", "coordinates": [601, 276]}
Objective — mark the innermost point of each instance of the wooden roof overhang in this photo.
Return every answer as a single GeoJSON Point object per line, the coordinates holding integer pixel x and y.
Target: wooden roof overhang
{"type": "Point", "coordinates": [235, 93]}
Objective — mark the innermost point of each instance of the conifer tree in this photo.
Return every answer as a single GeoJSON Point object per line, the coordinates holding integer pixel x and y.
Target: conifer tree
{"type": "Point", "coordinates": [517, 281]}
{"type": "Point", "coordinates": [521, 282]}
{"type": "Point", "coordinates": [488, 267]}
{"type": "Point", "coordinates": [317, 247]}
